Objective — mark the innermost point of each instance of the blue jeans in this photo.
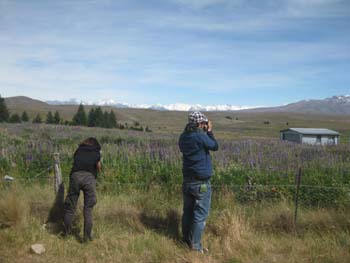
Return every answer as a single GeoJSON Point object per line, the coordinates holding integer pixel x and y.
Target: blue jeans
{"type": "Point", "coordinates": [197, 198]}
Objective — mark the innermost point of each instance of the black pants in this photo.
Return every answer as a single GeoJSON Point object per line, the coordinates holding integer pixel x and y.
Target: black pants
{"type": "Point", "coordinates": [86, 182]}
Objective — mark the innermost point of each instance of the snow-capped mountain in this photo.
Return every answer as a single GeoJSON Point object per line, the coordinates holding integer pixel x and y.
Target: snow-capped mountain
{"type": "Point", "coordinates": [344, 99]}
{"type": "Point", "coordinates": [164, 107]}
{"type": "Point", "coordinates": [189, 107]}
{"type": "Point", "coordinates": [333, 105]}
{"type": "Point", "coordinates": [59, 102]}
{"type": "Point", "coordinates": [109, 102]}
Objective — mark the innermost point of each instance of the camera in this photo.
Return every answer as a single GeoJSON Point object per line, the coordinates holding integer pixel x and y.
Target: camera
{"type": "Point", "coordinates": [206, 127]}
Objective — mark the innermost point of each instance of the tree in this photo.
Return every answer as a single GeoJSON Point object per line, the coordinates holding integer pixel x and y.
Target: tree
{"type": "Point", "coordinates": [4, 113]}
{"type": "Point", "coordinates": [106, 123]}
{"type": "Point", "coordinates": [49, 118]}
{"type": "Point", "coordinates": [24, 117]}
{"type": "Point", "coordinates": [112, 119]}
{"type": "Point", "coordinates": [109, 120]}
{"type": "Point", "coordinates": [98, 117]}
{"type": "Point", "coordinates": [80, 117]}
{"type": "Point", "coordinates": [37, 119]}
{"type": "Point", "coordinates": [15, 118]}
{"type": "Point", "coordinates": [56, 118]}
{"type": "Point", "coordinates": [91, 118]}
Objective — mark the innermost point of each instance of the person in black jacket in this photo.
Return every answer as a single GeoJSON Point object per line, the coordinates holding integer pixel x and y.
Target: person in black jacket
{"type": "Point", "coordinates": [195, 143]}
{"type": "Point", "coordinates": [83, 178]}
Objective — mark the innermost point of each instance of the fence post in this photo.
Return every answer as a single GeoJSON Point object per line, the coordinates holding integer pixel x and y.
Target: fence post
{"type": "Point", "coordinates": [57, 170]}
{"type": "Point", "coordinates": [297, 181]}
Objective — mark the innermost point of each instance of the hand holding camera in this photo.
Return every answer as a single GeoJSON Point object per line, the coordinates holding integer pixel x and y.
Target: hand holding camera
{"type": "Point", "coordinates": [209, 126]}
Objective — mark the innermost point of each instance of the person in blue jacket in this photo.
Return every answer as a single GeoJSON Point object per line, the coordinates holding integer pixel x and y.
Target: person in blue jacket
{"type": "Point", "coordinates": [195, 143]}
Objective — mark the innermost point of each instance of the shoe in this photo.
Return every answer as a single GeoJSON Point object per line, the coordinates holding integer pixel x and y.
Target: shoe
{"type": "Point", "coordinates": [203, 250]}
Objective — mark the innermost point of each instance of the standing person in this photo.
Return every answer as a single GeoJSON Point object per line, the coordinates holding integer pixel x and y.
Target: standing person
{"type": "Point", "coordinates": [83, 177]}
{"type": "Point", "coordinates": [195, 143]}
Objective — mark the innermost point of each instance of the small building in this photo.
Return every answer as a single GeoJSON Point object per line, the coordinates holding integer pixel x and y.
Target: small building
{"type": "Point", "coordinates": [310, 136]}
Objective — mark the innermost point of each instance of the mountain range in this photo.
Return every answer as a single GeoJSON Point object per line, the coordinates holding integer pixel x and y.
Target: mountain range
{"type": "Point", "coordinates": [336, 105]}
{"type": "Point", "coordinates": [333, 105]}
{"type": "Point", "coordinates": [161, 107]}
{"type": "Point", "coordinates": [339, 105]}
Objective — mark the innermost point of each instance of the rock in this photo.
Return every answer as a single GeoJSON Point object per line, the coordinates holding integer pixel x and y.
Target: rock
{"type": "Point", "coordinates": [37, 249]}
{"type": "Point", "coordinates": [8, 178]}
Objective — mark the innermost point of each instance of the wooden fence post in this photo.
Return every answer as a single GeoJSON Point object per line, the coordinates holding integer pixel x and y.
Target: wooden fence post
{"type": "Point", "coordinates": [297, 181]}
{"type": "Point", "coordinates": [57, 170]}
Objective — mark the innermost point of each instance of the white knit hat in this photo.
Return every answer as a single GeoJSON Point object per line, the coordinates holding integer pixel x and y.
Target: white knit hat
{"type": "Point", "coordinates": [197, 117]}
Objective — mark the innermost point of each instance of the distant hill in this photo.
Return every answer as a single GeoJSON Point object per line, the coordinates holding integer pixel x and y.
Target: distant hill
{"type": "Point", "coordinates": [25, 102]}
{"type": "Point", "coordinates": [145, 117]}
{"type": "Point", "coordinates": [336, 105]}
{"type": "Point", "coordinates": [21, 103]}
{"type": "Point", "coordinates": [240, 123]}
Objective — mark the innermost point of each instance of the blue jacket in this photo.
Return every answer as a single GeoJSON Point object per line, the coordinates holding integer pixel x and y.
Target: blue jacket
{"type": "Point", "coordinates": [195, 146]}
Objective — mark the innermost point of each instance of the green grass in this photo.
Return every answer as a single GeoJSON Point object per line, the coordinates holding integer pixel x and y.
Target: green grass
{"type": "Point", "coordinates": [144, 226]}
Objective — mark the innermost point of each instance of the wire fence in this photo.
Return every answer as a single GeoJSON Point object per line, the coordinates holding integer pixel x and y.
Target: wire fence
{"type": "Point", "coordinates": [306, 195]}
{"type": "Point", "coordinates": [335, 196]}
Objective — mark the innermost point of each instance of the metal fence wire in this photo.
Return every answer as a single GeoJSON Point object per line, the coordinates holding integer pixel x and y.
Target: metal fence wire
{"type": "Point", "coordinates": [305, 196]}
{"type": "Point", "coordinates": [300, 194]}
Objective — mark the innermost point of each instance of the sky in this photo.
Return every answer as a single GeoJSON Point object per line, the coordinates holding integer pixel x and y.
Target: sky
{"type": "Point", "coordinates": [209, 52]}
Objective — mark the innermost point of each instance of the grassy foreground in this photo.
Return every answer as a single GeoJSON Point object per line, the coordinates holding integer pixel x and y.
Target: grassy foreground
{"type": "Point", "coordinates": [144, 226]}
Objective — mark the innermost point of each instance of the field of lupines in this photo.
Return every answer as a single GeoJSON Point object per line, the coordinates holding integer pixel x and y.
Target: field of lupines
{"type": "Point", "coordinates": [255, 170]}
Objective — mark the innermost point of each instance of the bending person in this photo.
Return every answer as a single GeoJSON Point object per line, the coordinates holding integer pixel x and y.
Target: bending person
{"type": "Point", "coordinates": [83, 178]}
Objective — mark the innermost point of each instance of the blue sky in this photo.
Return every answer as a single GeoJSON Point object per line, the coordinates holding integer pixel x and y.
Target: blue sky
{"type": "Point", "coordinates": [252, 52]}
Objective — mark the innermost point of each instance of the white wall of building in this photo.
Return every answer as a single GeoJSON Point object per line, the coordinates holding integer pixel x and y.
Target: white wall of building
{"type": "Point", "coordinates": [310, 139]}
{"type": "Point", "coordinates": [323, 139]}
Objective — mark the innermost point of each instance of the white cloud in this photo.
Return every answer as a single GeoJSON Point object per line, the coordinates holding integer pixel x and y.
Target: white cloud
{"type": "Point", "coordinates": [84, 49]}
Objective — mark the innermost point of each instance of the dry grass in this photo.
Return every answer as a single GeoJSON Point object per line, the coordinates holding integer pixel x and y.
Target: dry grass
{"type": "Point", "coordinates": [129, 227]}
{"type": "Point", "coordinates": [231, 236]}
{"type": "Point", "coordinates": [324, 220]}
{"type": "Point", "coordinates": [14, 208]}
{"type": "Point", "coordinates": [275, 218]}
